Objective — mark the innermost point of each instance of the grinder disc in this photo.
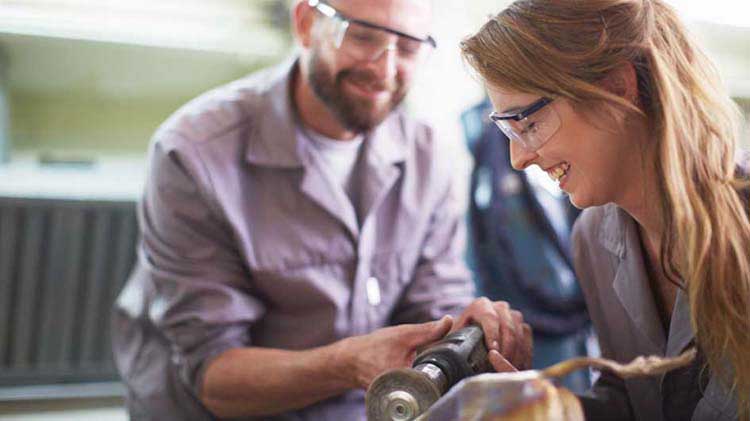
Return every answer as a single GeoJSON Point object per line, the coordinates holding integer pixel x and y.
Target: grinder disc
{"type": "Point", "coordinates": [400, 395]}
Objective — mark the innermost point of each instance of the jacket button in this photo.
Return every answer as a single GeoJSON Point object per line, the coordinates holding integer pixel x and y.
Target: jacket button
{"type": "Point", "coordinates": [373, 291]}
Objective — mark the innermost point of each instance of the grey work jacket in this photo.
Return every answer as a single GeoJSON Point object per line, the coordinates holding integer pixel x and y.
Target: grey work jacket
{"type": "Point", "coordinates": [609, 261]}
{"type": "Point", "coordinates": [246, 242]}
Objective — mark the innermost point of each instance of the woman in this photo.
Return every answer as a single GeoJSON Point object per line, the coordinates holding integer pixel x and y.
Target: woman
{"type": "Point", "coordinates": [617, 103]}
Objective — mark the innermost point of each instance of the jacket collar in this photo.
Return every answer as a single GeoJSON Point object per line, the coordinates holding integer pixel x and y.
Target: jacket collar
{"type": "Point", "coordinates": [613, 232]}
{"type": "Point", "coordinates": [619, 235]}
{"type": "Point", "coordinates": [680, 329]}
{"type": "Point", "coordinates": [273, 140]}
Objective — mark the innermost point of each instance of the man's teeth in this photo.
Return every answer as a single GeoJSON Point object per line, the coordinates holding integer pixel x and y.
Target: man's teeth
{"type": "Point", "coordinates": [559, 171]}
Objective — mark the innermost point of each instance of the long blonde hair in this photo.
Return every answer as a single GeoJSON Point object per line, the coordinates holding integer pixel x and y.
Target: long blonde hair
{"type": "Point", "coordinates": [562, 48]}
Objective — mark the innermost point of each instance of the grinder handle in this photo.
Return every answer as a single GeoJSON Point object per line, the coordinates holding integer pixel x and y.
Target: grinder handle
{"type": "Point", "coordinates": [458, 355]}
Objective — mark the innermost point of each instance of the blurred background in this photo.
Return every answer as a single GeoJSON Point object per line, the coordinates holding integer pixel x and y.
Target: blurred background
{"type": "Point", "coordinates": [84, 84]}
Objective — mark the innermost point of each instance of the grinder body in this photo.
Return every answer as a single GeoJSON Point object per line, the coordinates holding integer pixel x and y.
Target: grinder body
{"type": "Point", "coordinates": [404, 394]}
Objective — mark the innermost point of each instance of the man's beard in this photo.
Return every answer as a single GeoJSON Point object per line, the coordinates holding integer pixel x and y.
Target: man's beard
{"type": "Point", "coordinates": [356, 114]}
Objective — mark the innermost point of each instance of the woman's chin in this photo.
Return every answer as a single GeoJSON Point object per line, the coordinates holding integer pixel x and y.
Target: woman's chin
{"type": "Point", "coordinates": [583, 201]}
{"type": "Point", "coordinates": [574, 203]}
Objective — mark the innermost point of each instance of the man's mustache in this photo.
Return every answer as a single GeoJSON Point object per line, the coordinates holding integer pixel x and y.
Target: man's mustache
{"type": "Point", "coordinates": [368, 78]}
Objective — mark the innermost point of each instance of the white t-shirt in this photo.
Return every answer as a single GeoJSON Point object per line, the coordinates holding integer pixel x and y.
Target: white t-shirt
{"type": "Point", "coordinates": [339, 156]}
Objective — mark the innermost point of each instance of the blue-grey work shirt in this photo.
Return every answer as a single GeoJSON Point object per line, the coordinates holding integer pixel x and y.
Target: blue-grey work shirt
{"type": "Point", "coordinates": [246, 242]}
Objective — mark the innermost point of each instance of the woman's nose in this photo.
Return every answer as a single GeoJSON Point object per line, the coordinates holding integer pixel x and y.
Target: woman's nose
{"type": "Point", "coordinates": [520, 157]}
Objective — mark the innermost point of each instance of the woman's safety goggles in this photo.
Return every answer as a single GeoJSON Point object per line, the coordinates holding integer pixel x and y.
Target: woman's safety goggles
{"type": "Point", "coordinates": [532, 126]}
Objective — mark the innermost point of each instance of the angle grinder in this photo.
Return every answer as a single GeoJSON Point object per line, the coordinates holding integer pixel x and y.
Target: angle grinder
{"type": "Point", "coordinates": [403, 394]}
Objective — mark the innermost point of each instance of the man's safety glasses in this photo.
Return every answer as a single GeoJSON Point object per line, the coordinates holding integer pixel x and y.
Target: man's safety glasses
{"type": "Point", "coordinates": [367, 41]}
{"type": "Point", "coordinates": [532, 127]}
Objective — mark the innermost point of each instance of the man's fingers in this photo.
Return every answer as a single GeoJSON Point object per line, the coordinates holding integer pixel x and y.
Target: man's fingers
{"type": "Point", "coordinates": [517, 325]}
{"type": "Point", "coordinates": [528, 346]}
{"type": "Point", "coordinates": [508, 333]}
{"type": "Point", "coordinates": [517, 319]}
{"type": "Point", "coordinates": [482, 311]}
{"type": "Point", "coordinates": [426, 333]}
{"type": "Point", "coordinates": [462, 321]}
{"type": "Point", "coordinates": [474, 313]}
{"type": "Point", "coordinates": [491, 329]}
{"type": "Point", "coordinates": [499, 363]}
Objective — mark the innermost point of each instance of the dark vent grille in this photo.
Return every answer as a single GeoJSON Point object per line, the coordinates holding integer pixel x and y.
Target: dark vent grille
{"type": "Point", "coordinates": [62, 264]}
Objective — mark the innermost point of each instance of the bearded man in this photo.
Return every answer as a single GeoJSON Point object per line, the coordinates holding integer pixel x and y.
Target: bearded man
{"type": "Point", "coordinates": [300, 234]}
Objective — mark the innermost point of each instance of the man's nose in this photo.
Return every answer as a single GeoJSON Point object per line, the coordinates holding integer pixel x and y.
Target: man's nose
{"type": "Point", "coordinates": [385, 65]}
{"type": "Point", "coordinates": [520, 157]}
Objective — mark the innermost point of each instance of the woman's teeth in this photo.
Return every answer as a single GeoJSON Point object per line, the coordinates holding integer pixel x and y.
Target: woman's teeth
{"type": "Point", "coordinates": [559, 171]}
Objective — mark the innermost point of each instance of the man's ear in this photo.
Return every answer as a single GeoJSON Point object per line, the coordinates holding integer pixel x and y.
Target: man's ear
{"type": "Point", "coordinates": [303, 17]}
{"type": "Point", "coordinates": [623, 82]}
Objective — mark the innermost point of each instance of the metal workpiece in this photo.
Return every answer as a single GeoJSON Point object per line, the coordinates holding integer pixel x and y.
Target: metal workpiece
{"type": "Point", "coordinates": [404, 394]}
{"type": "Point", "coordinates": [516, 396]}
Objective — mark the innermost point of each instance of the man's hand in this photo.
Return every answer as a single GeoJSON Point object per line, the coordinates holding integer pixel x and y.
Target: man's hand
{"type": "Point", "coordinates": [367, 356]}
{"type": "Point", "coordinates": [507, 337]}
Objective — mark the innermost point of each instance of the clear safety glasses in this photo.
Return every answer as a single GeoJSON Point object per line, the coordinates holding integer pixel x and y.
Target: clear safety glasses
{"type": "Point", "coordinates": [532, 127]}
{"type": "Point", "coordinates": [367, 41]}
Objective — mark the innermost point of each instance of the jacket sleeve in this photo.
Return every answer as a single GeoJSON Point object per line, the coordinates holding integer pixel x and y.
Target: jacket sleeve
{"type": "Point", "coordinates": [441, 283]}
{"type": "Point", "coordinates": [608, 397]}
{"type": "Point", "coordinates": [202, 300]}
